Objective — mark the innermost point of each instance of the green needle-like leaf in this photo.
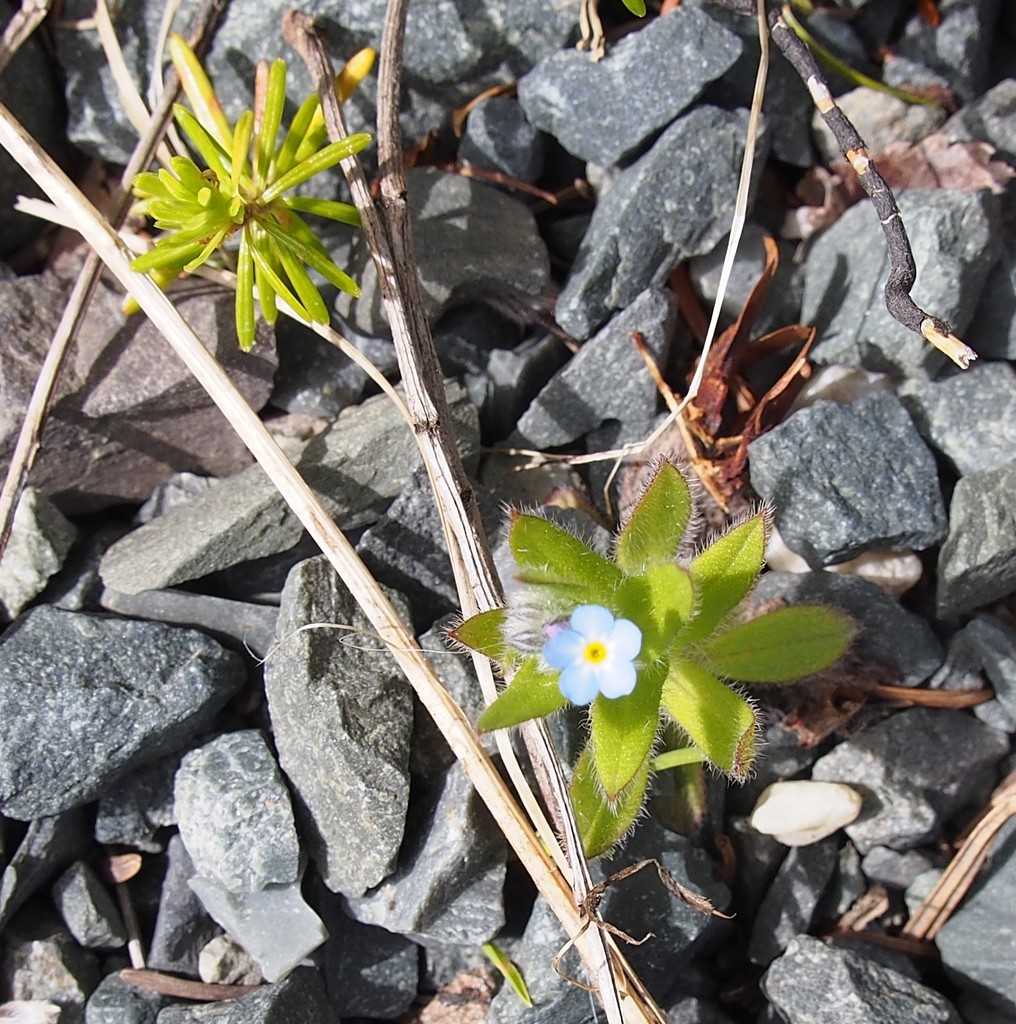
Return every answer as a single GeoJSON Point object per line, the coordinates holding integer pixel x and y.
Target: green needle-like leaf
{"type": "Point", "coordinates": [622, 730]}
{"type": "Point", "coordinates": [245, 328]}
{"type": "Point", "coordinates": [330, 208]}
{"type": "Point", "coordinates": [165, 256]}
{"type": "Point", "coordinates": [783, 645]}
{"type": "Point", "coordinates": [286, 157]}
{"type": "Point", "coordinates": [266, 296]}
{"type": "Point", "coordinates": [532, 693]}
{"type": "Point", "coordinates": [241, 144]}
{"type": "Point", "coordinates": [511, 973]}
{"type": "Point", "coordinates": [271, 120]}
{"type": "Point", "coordinates": [724, 573]}
{"type": "Point", "coordinates": [720, 722]}
{"type": "Point", "coordinates": [322, 264]}
{"type": "Point", "coordinates": [603, 823]}
{"type": "Point", "coordinates": [271, 276]}
{"type": "Point", "coordinates": [656, 527]}
{"type": "Point", "coordinates": [199, 91]}
{"type": "Point", "coordinates": [310, 297]}
{"type": "Point", "coordinates": [320, 161]}
{"type": "Point", "coordinates": [211, 153]}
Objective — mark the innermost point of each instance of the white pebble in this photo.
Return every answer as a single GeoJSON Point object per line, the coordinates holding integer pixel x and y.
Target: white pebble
{"type": "Point", "coordinates": [803, 812]}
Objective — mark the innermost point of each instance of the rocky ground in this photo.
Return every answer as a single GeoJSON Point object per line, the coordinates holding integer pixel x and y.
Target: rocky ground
{"type": "Point", "coordinates": [276, 810]}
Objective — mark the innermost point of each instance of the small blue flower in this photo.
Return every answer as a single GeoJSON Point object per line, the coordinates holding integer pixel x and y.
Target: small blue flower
{"type": "Point", "coordinates": [595, 655]}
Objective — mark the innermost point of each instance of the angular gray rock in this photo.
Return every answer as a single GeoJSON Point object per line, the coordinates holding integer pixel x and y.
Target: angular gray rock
{"type": "Point", "coordinates": [49, 844]}
{"type": "Point", "coordinates": [342, 716]}
{"type": "Point", "coordinates": [235, 815]}
{"type": "Point", "coordinates": [368, 971]}
{"type": "Point", "coordinates": [241, 625]}
{"type": "Point", "coordinates": [606, 379]}
{"type": "Point", "coordinates": [978, 941]}
{"type": "Point", "coordinates": [977, 563]}
{"type": "Point", "coordinates": [814, 982]}
{"type": "Point", "coordinates": [498, 137]}
{"type": "Point", "coordinates": [915, 769]}
{"type": "Point", "coordinates": [471, 240]}
{"type": "Point", "coordinates": [889, 633]}
{"type": "Point", "coordinates": [182, 926]}
{"type": "Point", "coordinates": [958, 48]}
{"type": "Point", "coordinates": [126, 413]}
{"type": "Point", "coordinates": [117, 1002]}
{"type": "Point", "coordinates": [133, 810]}
{"type": "Point", "coordinates": [790, 903]}
{"type": "Point", "coordinates": [46, 964]}
{"type": "Point", "coordinates": [989, 118]}
{"type": "Point", "coordinates": [300, 999]}
{"type": "Point", "coordinates": [995, 644]}
{"type": "Point", "coordinates": [92, 699]}
{"type": "Point", "coordinates": [849, 478]}
{"type": "Point", "coordinates": [275, 925]}
{"type": "Point", "coordinates": [892, 868]}
{"type": "Point", "coordinates": [39, 541]}
{"type": "Point", "coordinates": [88, 909]}
{"type": "Point", "coordinates": [672, 203]}
{"type": "Point", "coordinates": [589, 106]}
{"type": "Point", "coordinates": [447, 888]}
{"type": "Point", "coordinates": [955, 242]}
{"type": "Point", "coordinates": [451, 54]}
{"type": "Point", "coordinates": [970, 416]}
{"type": "Point", "coordinates": [357, 467]}
{"type": "Point", "coordinates": [993, 328]}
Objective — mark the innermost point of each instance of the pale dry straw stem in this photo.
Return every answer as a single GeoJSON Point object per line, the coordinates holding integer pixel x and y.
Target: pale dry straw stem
{"type": "Point", "coordinates": [385, 621]}
{"type": "Point", "coordinates": [27, 445]}
{"type": "Point", "coordinates": [25, 20]}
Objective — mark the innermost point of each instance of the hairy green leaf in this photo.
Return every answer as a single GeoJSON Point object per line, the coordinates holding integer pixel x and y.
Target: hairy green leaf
{"type": "Point", "coordinates": [482, 633]}
{"type": "Point", "coordinates": [532, 693]}
{"type": "Point", "coordinates": [656, 527]}
{"type": "Point", "coordinates": [720, 722]}
{"type": "Point", "coordinates": [622, 730]}
{"type": "Point", "coordinates": [783, 645]}
{"type": "Point", "coordinates": [603, 823]}
{"type": "Point", "coordinates": [723, 574]}
{"type": "Point", "coordinates": [545, 553]}
{"type": "Point", "coordinates": [659, 602]}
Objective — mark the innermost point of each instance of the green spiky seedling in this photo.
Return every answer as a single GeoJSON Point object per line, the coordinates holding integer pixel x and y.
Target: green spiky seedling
{"type": "Point", "coordinates": [245, 191]}
{"type": "Point", "coordinates": [692, 645]}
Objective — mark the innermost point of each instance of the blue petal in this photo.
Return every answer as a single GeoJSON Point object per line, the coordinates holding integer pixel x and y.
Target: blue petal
{"type": "Point", "coordinates": [625, 640]}
{"type": "Point", "coordinates": [578, 683]}
{"type": "Point", "coordinates": [563, 648]}
{"type": "Point", "coordinates": [593, 621]}
{"type": "Point", "coordinates": [617, 678]}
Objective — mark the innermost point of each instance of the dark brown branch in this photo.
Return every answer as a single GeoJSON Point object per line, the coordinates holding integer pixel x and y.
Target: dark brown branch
{"type": "Point", "coordinates": [902, 269]}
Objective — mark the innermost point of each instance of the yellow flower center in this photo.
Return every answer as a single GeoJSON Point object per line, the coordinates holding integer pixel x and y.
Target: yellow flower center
{"type": "Point", "coordinates": [595, 652]}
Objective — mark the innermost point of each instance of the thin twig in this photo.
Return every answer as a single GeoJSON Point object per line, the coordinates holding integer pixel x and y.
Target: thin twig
{"type": "Point", "coordinates": [74, 312]}
{"type": "Point", "coordinates": [25, 21]}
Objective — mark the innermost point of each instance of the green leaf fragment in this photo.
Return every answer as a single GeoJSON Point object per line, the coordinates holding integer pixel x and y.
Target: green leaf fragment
{"type": "Point", "coordinates": [783, 645]}
{"type": "Point", "coordinates": [637, 7]}
{"type": "Point", "coordinates": [271, 119]}
{"type": "Point", "coordinates": [245, 327]}
{"type": "Point", "coordinates": [332, 154]}
{"type": "Point", "coordinates": [655, 529]}
{"type": "Point", "coordinates": [720, 722]}
{"type": "Point", "coordinates": [344, 213]}
{"type": "Point", "coordinates": [511, 973]}
{"type": "Point", "coordinates": [532, 693]}
{"type": "Point", "coordinates": [603, 823]}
